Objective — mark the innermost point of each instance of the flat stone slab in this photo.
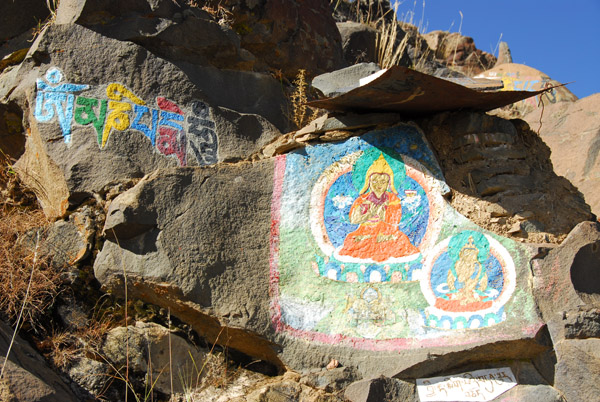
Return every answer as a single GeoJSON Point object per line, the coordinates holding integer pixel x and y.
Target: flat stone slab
{"type": "Point", "coordinates": [344, 80]}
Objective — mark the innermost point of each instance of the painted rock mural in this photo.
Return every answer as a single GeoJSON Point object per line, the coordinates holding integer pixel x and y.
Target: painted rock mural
{"type": "Point", "coordinates": [365, 249]}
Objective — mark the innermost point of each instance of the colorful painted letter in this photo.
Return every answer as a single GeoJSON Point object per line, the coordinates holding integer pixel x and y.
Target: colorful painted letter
{"type": "Point", "coordinates": [52, 97]}
{"type": "Point", "coordinates": [166, 126]}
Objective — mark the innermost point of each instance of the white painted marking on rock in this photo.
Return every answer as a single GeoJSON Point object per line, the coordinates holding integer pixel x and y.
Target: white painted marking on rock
{"type": "Point", "coordinates": [478, 385]}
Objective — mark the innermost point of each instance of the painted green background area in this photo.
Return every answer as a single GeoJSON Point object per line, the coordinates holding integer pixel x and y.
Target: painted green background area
{"type": "Point", "coordinates": [418, 307]}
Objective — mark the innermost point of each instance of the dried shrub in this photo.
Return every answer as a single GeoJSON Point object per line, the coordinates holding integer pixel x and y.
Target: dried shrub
{"type": "Point", "coordinates": [27, 279]}
{"type": "Point", "coordinates": [66, 347]}
{"type": "Point", "coordinates": [302, 114]}
{"type": "Point", "coordinates": [298, 99]}
{"type": "Point", "coordinates": [217, 11]}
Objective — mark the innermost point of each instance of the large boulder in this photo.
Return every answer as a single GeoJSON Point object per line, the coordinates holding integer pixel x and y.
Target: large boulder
{"type": "Point", "coordinates": [359, 42]}
{"type": "Point", "coordinates": [566, 280]}
{"type": "Point", "coordinates": [246, 254]}
{"type": "Point", "coordinates": [220, 280]}
{"type": "Point", "coordinates": [288, 35]}
{"type": "Point", "coordinates": [193, 39]}
{"type": "Point", "coordinates": [578, 368]}
{"type": "Point", "coordinates": [91, 122]}
{"type": "Point", "coordinates": [176, 32]}
{"type": "Point", "coordinates": [519, 77]}
{"type": "Point", "coordinates": [567, 292]}
{"type": "Point", "coordinates": [503, 177]}
{"type": "Point", "coordinates": [572, 131]}
{"type": "Point", "coordinates": [459, 52]}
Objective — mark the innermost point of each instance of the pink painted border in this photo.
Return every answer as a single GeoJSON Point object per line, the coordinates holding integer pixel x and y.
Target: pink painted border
{"type": "Point", "coordinates": [278, 176]}
{"type": "Point", "coordinates": [347, 341]}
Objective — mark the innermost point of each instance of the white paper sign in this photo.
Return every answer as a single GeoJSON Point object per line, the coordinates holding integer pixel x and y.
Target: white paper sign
{"type": "Point", "coordinates": [479, 385]}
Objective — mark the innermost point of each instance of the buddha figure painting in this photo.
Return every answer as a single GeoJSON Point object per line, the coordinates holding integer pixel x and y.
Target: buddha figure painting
{"type": "Point", "coordinates": [468, 278]}
{"type": "Point", "coordinates": [473, 276]}
{"type": "Point", "coordinates": [468, 271]}
{"type": "Point", "coordinates": [370, 215]}
{"type": "Point", "coordinates": [378, 212]}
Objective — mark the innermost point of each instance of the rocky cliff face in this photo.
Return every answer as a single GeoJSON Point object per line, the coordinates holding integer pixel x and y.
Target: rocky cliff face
{"type": "Point", "coordinates": [348, 260]}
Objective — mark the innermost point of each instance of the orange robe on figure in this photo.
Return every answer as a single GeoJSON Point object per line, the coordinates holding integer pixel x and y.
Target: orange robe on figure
{"type": "Point", "coordinates": [378, 238]}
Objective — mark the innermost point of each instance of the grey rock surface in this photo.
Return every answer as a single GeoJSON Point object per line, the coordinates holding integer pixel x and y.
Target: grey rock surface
{"type": "Point", "coordinates": [288, 35]}
{"type": "Point", "coordinates": [571, 128]}
{"type": "Point", "coordinates": [578, 369]}
{"type": "Point", "coordinates": [582, 325]}
{"type": "Point", "coordinates": [176, 32]}
{"type": "Point", "coordinates": [381, 389]}
{"type": "Point", "coordinates": [208, 52]}
{"type": "Point", "coordinates": [457, 362]}
{"type": "Point", "coordinates": [567, 277]}
{"type": "Point", "coordinates": [92, 375]}
{"type": "Point", "coordinates": [344, 80]}
{"type": "Point", "coordinates": [332, 380]}
{"type": "Point", "coordinates": [243, 91]}
{"type": "Point", "coordinates": [70, 241]}
{"type": "Point", "coordinates": [531, 393]}
{"type": "Point", "coordinates": [196, 248]}
{"type": "Point", "coordinates": [27, 377]}
{"type": "Point", "coordinates": [358, 42]}
{"type": "Point", "coordinates": [16, 17]}
{"type": "Point", "coordinates": [155, 351]}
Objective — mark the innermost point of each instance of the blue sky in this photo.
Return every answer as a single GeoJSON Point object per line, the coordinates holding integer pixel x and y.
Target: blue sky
{"type": "Point", "coordinates": [558, 37]}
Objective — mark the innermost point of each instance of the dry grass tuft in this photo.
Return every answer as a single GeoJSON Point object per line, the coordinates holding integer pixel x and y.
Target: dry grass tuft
{"type": "Point", "coordinates": [65, 347]}
{"type": "Point", "coordinates": [52, 6]}
{"type": "Point", "coordinates": [391, 50]}
{"type": "Point", "coordinates": [20, 222]}
{"type": "Point", "coordinates": [220, 14]}
{"type": "Point", "coordinates": [388, 52]}
{"type": "Point", "coordinates": [62, 349]}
